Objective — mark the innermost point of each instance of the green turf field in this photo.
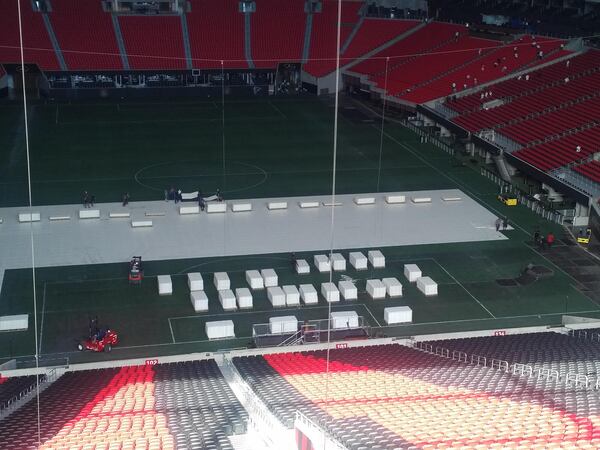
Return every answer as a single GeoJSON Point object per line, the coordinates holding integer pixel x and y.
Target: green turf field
{"type": "Point", "coordinates": [272, 148]}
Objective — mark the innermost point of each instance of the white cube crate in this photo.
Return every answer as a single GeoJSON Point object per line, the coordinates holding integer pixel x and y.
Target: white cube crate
{"type": "Point", "coordinates": [397, 314]}
{"type": "Point", "coordinates": [292, 296]}
{"type": "Point", "coordinates": [221, 280]}
{"type": "Point", "coordinates": [412, 272]}
{"type": "Point", "coordinates": [283, 324]}
{"type": "Point", "coordinates": [195, 281]}
{"type": "Point", "coordinates": [254, 279]}
{"type": "Point", "coordinates": [427, 286]}
{"type": "Point", "coordinates": [227, 300]}
{"type": "Point", "coordinates": [276, 296]}
{"type": "Point", "coordinates": [218, 207]}
{"type": "Point", "coordinates": [330, 292]}
{"type": "Point", "coordinates": [220, 329]}
{"type": "Point", "coordinates": [338, 262]}
{"type": "Point", "coordinates": [344, 319]}
{"type": "Point", "coordinates": [393, 287]}
{"type": "Point", "coordinates": [165, 287]}
{"type": "Point", "coordinates": [89, 213]}
{"type": "Point", "coordinates": [269, 277]}
{"type": "Point", "coordinates": [308, 294]}
{"type": "Point", "coordinates": [358, 260]}
{"type": "Point", "coordinates": [244, 298]}
{"type": "Point", "coordinates": [302, 267]}
{"type": "Point", "coordinates": [199, 301]}
{"type": "Point", "coordinates": [376, 259]}
{"type": "Point", "coordinates": [348, 290]}
{"type": "Point", "coordinates": [376, 289]}
{"type": "Point", "coordinates": [14, 323]}
{"type": "Point", "coordinates": [322, 263]}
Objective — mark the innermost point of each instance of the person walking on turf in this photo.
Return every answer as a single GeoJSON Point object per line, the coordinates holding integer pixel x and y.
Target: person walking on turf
{"type": "Point", "coordinates": [498, 223]}
{"type": "Point", "coordinates": [126, 199]}
{"type": "Point", "coordinates": [504, 223]}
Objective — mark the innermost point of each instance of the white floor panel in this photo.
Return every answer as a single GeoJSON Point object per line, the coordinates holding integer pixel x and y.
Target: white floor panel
{"type": "Point", "coordinates": [104, 240]}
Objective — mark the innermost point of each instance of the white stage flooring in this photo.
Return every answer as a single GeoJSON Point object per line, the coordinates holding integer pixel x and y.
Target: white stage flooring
{"type": "Point", "coordinates": [104, 240]}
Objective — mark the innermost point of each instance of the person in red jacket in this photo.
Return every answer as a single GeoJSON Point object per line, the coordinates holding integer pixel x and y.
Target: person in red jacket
{"type": "Point", "coordinates": [550, 239]}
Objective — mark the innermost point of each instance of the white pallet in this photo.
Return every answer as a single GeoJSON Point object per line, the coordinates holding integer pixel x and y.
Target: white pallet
{"type": "Point", "coordinates": [218, 207]}
{"type": "Point", "coordinates": [241, 207]}
{"type": "Point", "coordinates": [141, 223]}
{"type": "Point", "coordinates": [364, 200]}
{"type": "Point", "coordinates": [29, 217]}
{"type": "Point", "coordinates": [277, 205]}
{"type": "Point", "coordinates": [183, 210]}
{"type": "Point", "coordinates": [89, 213]}
{"type": "Point", "coordinates": [395, 199]}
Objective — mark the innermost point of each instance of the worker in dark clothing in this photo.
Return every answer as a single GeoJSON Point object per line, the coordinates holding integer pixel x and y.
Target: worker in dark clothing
{"type": "Point", "coordinates": [504, 223]}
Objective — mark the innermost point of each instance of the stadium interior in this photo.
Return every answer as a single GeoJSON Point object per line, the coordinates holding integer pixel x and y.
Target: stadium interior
{"type": "Point", "coordinates": [299, 224]}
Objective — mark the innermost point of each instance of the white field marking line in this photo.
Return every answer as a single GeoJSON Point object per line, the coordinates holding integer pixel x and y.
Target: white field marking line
{"type": "Point", "coordinates": [254, 312]}
{"type": "Point", "coordinates": [277, 109]}
{"type": "Point", "coordinates": [171, 327]}
{"type": "Point", "coordinates": [498, 318]}
{"type": "Point", "coordinates": [177, 343]}
{"type": "Point", "coordinates": [577, 282]}
{"type": "Point", "coordinates": [370, 313]}
{"type": "Point", "coordinates": [464, 288]}
{"type": "Point", "coordinates": [157, 120]}
{"type": "Point", "coordinates": [445, 175]}
{"type": "Point", "coordinates": [42, 321]}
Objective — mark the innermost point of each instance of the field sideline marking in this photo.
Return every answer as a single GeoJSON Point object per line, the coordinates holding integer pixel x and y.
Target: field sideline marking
{"type": "Point", "coordinates": [370, 313]}
{"type": "Point", "coordinates": [277, 109]}
{"type": "Point", "coordinates": [465, 289]}
{"type": "Point", "coordinates": [171, 327]}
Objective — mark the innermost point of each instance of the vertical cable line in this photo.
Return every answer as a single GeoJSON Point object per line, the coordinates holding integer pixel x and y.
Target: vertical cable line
{"type": "Point", "coordinates": [223, 120]}
{"type": "Point", "coordinates": [37, 362]}
{"type": "Point", "coordinates": [333, 179]}
{"type": "Point", "coordinates": [387, 61]}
